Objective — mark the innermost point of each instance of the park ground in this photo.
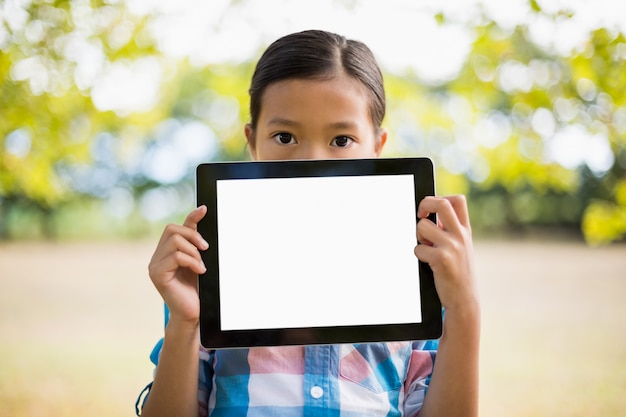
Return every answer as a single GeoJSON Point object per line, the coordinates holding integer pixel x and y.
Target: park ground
{"type": "Point", "coordinates": [78, 320]}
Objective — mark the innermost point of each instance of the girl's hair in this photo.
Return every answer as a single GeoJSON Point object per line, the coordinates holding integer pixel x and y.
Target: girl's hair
{"type": "Point", "coordinates": [317, 55]}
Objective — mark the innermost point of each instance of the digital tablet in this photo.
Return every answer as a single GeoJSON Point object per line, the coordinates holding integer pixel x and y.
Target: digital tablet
{"type": "Point", "coordinates": [314, 252]}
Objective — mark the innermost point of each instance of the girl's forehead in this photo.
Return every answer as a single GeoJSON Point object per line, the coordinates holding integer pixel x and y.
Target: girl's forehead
{"type": "Point", "coordinates": [339, 80]}
{"type": "Point", "coordinates": [339, 93]}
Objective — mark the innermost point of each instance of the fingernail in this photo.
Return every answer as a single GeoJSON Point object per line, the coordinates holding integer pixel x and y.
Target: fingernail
{"type": "Point", "coordinates": [204, 245]}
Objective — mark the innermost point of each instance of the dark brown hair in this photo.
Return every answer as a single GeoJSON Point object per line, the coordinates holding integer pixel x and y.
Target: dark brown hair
{"type": "Point", "coordinates": [316, 54]}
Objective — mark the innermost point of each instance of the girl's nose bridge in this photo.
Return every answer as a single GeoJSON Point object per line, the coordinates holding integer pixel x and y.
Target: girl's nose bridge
{"type": "Point", "coordinates": [315, 149]}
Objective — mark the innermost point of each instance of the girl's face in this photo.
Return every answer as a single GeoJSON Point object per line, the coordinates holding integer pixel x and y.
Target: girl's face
{"type": "Point", "coordinates": [315, 119]}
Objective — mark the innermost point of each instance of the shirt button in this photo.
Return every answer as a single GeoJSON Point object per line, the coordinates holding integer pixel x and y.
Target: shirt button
{"type": "Point", "coordinates": [317, 392]}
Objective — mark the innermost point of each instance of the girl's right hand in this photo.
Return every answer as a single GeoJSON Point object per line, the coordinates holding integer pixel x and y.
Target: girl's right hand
{"type": "Point", "coordinates": [175, 266]}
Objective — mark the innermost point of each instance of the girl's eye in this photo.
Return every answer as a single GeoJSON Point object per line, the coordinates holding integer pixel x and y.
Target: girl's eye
{"type": "Point", "coordinates": [285, 138]}
{"type": "Point", "coordinates": [342, 141]}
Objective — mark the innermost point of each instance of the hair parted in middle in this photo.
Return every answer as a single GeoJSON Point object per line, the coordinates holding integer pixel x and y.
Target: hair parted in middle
{"type": "Point", "coordinates": [318, 55]}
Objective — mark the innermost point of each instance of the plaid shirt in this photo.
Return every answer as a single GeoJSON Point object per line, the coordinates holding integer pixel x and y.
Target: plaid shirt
{"type": "Point", "coordinates": [377, 379]}
{"type": "Point", "coordinates": [381, 379]}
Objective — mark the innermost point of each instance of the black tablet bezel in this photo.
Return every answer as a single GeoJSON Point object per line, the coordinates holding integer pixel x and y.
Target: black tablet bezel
{"type": "Point", "coordinates": [211, 335]}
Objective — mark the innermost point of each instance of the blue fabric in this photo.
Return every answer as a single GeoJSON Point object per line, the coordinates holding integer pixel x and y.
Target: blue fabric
{"type": "Point", "coordinates": [226, 384]}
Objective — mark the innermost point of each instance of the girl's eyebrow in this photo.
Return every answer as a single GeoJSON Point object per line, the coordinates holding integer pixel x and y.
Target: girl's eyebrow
{"type": "Point", "coordinates": [282, 122]}
{"type": "Point", "coordinates": [342, 125]}
{"type": "Point", "coordinates": [286, 122]}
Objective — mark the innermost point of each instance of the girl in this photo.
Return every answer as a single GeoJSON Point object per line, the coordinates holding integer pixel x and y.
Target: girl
{"type": "Point", "coordinates": [316, 95]}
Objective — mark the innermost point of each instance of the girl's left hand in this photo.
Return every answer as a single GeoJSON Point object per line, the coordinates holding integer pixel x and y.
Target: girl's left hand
{"type": "Point", "coordinates": [447, 248]}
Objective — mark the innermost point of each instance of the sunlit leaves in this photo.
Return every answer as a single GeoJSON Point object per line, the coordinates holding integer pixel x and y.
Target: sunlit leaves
{"type": "Point", "coordinates": [529, 132]}
{"type": "Point", "coordinates": [52, 56]}
{"type": "Point", "coordinates": [533, 127]}
{"type": "Point", "coordinates": [605, 221]}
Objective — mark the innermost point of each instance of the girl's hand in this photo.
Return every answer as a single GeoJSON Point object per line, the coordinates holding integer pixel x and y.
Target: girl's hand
{"type": "Point", "coordinates": [447, 248]}
{"type": "Point", "coordinates": [175, 266]}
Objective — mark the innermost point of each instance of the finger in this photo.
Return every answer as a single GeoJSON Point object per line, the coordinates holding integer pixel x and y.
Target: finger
{"type": "Point", "coordinates": [179, 243]}
{"type": "Point", "coordinates": [429, 234]}
{"type": "Point", "coordinates": [188, 229]}
{"type": "Point", "coordinates": [425, 253]}
{"type": "Point", "coordinates": [175, 260]}
{"type": "Point", "coordinates": [184, 260]}
{"type": "Point", "coordinates": [459, 204]}
{"type": "Point", "coordinates": [194, 217]}
{"type": "Point", "coordinates": [175, 242]}
{"type": "Point", "coordinates": [187, 233]}
{"type": "Point", "coordinates": [444, 210]}
{"type": "Point", "coordinates": [185, 245]}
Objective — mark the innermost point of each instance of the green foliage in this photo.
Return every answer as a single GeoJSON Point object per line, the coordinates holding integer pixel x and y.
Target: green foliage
{"type": "Point", "coordinates": [508, 130]}
{"type": "Point", "coordinates": [605, 220]}
{"type": "Point", "coordinates": [540, 95]}
{"type": "Point", "coordinates": [48, 119]}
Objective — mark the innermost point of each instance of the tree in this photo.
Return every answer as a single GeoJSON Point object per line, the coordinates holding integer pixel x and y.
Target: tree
{"type": "Point", "coordinates": [51, 54]}
{"type": "Point", "coordinates": [90, 107]}
{"type": "Point", "coordinates": [535, 137]}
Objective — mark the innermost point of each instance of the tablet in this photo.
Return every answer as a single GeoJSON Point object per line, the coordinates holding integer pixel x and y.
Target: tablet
{"type": "Point", "coordinates": [314, 252]}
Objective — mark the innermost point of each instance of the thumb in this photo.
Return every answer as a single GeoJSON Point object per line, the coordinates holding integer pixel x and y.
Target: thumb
{"type": "Point", "coordinates": [194, 217]}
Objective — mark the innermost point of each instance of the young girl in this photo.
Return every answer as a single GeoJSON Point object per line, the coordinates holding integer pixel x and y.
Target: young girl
{"type": "Point", "coordinates": [316, 95]}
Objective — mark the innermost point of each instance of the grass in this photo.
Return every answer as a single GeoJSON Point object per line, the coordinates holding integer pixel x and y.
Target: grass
{"type": "Point", "coordinates": [78, 320]}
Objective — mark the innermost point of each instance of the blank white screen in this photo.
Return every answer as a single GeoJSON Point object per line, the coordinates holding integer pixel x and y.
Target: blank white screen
{"type": "Point", "coordinates": [311, 252]}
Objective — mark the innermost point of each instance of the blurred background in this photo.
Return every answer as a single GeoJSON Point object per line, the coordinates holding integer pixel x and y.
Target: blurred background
{"type": "Point", "coordinates": [106, 108]}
